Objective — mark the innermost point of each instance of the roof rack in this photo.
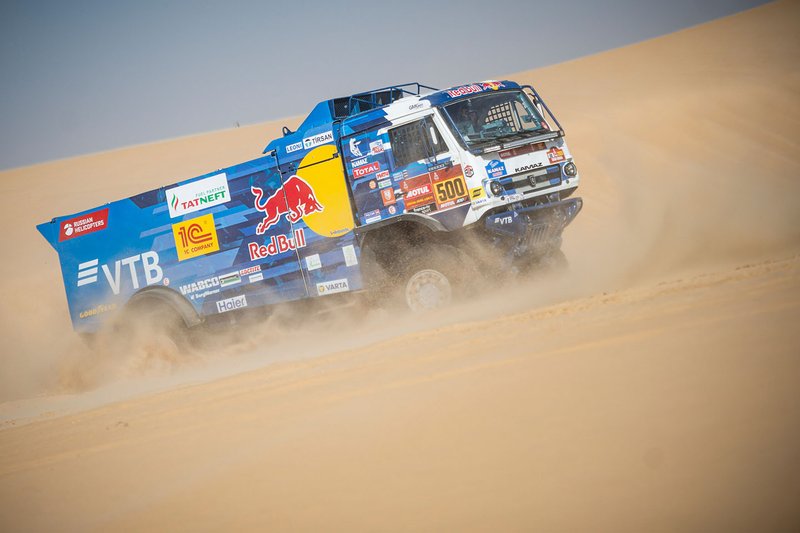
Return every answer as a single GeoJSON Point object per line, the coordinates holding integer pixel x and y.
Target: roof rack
{"type": "Point", "coordinates": [358, 103]}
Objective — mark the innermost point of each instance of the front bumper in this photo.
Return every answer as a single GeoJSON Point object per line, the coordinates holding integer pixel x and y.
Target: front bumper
{"type": "Point", "coordinates": [533, 230]}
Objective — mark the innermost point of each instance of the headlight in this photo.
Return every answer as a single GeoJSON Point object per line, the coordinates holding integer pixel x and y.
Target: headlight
{"type": "Point", "coordinates": [496, 187]}
{"type": "Point", "coordinates": [570, 169]}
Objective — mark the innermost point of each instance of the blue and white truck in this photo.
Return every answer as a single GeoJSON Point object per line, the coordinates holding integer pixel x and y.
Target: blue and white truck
{"type": "Point", "coordinates": [404, 191]}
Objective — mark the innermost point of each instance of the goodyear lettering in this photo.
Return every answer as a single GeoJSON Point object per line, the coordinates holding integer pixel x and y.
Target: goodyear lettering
{"type": "Point", "coordinates": [100, 309]}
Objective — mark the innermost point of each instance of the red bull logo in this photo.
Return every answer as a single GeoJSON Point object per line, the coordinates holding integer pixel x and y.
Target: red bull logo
{"type": "Point", "coordinates": [492, 85]}
{"type": "Point", "coordinates": [294, 199]}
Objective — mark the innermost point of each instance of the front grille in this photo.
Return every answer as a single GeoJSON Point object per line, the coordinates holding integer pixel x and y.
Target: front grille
{"type": "Point", "coordinates": [538, 179]}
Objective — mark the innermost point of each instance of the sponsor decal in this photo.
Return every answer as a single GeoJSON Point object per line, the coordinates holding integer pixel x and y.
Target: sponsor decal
{"type": "Point", "coordinates": [504, 220]}
{"type": "Point", "coordinates": [387, 195]}
{"type": "Point", "coordinates": [417, 192]}
{"type": "Point", "coordinates": [392, 210]}
{"type": "Point", "coordinates": [359, 162]}
{"type": "Point", "coordinates": [313, 262]}
{"type": "Point", "coordinates": [99, 310]}
{"type": "Point", "coordinates": [385, 183]}
{"type": "Point", "coordinates": [88, 271]}
{"type": "Point", "coordinates": [250, 270]}
{"type": "Point", "coordinates": [399, 176]}
{"type": "Point", "coordinates": [294, 199]}
{"type": "Point", "coordinates": [372, 216]}
{"type": "Point", "coordinates": [439, 166]}
{"type": "Point", "coordinates": [514, 197]}
{"type": "Point", "coordinates": [365, 170]}
{"type": "Point", "coordinates": [496, 169]}
{"type": "Point", "coordinates": [468, 172]}
{"type": "Point", "coordinates": [476, 193]}
{"type": "Point", "coordinates": [492, 85]}
{"type": "Point", "coordinates": [332, 287]}
{"type": "Point", "coordinates": [197, 286]}
{"type": "Point", "coordinates": [196, 236]}
{"type": "Point", "coordinates": [372, 184]}
{"type": "Point", "coordinates": [197, 195]}
{"type": "Point", "coordinates": [349, 253]}
{"type": "Point", "coordinates": [418, 105]}
{"type": "Point", "coordinates": [83, 225]}
{"type": "Point", "coordinates": [226, 280]}
{"type": "Point", "coordinates": [475, 88]}
{"type": "Point", "coordinates": [231, 304]}
{"type": "Point", "coordinates": [254, 278]}
{"type": "Point", "coordinates": [376, 147]}
{"type": "Point", "coordinates": [278, 244]}
{"type": "Point", "coordinates": [382, 175]}
{"type": "Point", "coordinates": [555, 154]}
{"type": "Point", "coordinates": [354, 148]}
{"type": "Point", "coordinates": [294, 147]}
{"type": "Point", "coordinates": [316, 140]}
{"type": "Point", "coordinates": [449, 188]}
{"type": "Point", "coordinates": [525, 168]}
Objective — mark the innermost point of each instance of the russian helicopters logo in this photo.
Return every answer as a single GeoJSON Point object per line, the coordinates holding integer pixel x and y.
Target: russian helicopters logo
{"type": "Point", "coordinates": [83, 225]}
{"type": "Point", "coordinates": [196, 236]}
{"type": "Point", "coordinates": [198, 195]}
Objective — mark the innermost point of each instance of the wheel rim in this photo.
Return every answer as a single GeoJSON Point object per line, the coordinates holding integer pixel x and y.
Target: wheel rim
{"type": "Point", "coordinates": [428, 289]}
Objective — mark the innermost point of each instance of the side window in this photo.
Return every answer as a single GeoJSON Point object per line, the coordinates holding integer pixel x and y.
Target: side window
{"type": "Point", "coordinates": [415, 141]}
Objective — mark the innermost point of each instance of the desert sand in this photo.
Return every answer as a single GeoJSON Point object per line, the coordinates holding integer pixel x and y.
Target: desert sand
{"type": "Point", "coordinates": [655, 386]}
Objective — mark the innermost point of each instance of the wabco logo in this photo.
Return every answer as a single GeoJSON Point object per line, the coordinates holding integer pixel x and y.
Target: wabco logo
{"type": "Point", "coordinates": [88, 271]}
{"type": "Point", "coordinates": [198, 195]}
{"type": "Point", "coordinates": [196, 236]}
{"type": "Point", "coordinates": [295, 199]}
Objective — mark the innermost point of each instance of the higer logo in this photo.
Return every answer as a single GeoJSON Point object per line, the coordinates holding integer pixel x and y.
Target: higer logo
{"type": "Point", "coordinates": [295, 199]}
{"type": "Point", "coordinates": [88, 271]}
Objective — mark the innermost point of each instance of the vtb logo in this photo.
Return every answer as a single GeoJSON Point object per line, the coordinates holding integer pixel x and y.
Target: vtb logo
{"type": "Point", "coordinates": [196, 236]}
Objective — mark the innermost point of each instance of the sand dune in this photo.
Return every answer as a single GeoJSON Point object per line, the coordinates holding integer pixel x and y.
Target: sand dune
{"type": "Point", "coordinates": [653, 387]}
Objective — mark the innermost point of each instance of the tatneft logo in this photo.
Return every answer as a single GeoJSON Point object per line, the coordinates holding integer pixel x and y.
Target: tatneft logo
{"type": "Point", "coordinates": [84, 224]}
{"type": "Point", "coordinates": [332, 287]}
{"type": "Point", "coordinates": [88, 271]}
{"type": "Point", "coordinates": [316, 140]}
{"type": "Point", "coordinates": [231, 304]}
{"type": "Point", "coordinates": [196, 236]}
{"type": "Point", "coordinates": [197, 195]}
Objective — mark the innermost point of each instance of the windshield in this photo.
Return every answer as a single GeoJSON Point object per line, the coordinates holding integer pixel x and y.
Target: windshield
{"type": "Point", "coordinates": [496, 117]}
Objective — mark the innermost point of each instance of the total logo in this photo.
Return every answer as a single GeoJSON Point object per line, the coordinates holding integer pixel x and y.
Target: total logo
{"type": "Point", "coordinates": [88, 271]}
{"type": "Point", "coordinates": [366, 170]}
{"type": "Point", "coordinates": [294, 199]}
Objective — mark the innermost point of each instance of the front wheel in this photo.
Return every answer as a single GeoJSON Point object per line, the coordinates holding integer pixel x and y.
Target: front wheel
{"type": "Point", "coordinates": [428, 289]}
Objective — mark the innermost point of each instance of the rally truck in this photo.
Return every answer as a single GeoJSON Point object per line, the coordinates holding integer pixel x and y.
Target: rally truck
{"type": "Point", "coordinates": [405, 192]}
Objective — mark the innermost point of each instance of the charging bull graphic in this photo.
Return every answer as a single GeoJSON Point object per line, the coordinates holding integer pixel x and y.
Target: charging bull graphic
{"type": "Point", "coordinates": [295, 199]}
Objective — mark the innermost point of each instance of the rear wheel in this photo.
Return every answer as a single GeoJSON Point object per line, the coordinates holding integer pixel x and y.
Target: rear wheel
{"type": "Point", "coordinates": [428, 289]}
{"type": "Point", "coordinates": [435, 277]}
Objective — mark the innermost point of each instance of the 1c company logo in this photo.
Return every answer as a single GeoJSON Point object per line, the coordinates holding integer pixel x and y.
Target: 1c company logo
{"type": "Point", "coordinates": [195, 237]}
